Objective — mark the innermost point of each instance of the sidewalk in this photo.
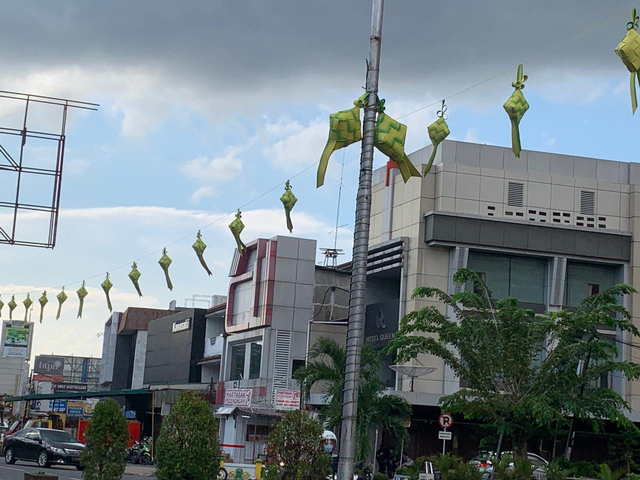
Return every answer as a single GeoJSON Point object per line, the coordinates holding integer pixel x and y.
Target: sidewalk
{"type": "Point", "coordinates": [141, 470]}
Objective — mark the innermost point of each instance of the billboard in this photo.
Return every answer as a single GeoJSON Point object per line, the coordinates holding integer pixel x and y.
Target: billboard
{"type": "Point", "coordinates": [16, 339]}
{"type": "Point", "coordinates": [48, 365]}
{"type": "Point", "coordinates": [287, 399]}
{"type": "Point", "coordinates": [237, 397]}
{"type": "Point", "coordinates": [70, 387]}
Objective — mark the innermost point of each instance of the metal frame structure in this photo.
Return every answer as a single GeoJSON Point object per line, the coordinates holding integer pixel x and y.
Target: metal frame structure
{"type": "Point", "coordinates": [19, 165]}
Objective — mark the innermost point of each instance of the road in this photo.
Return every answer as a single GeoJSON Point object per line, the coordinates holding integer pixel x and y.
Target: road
{"type": "Point", "coordinates": [16, 472]}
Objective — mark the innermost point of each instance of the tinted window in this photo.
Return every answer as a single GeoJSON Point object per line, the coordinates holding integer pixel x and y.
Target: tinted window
{"type": "Point", "coordinates": [21, 433]}
{"type": "Point", "coordinates": [33, 435]}
{"type": "Point", "coordinates": [585, 279]}
{"type": "Point", "coordinates": [237, 362]}
{"type": "Point", "coordinates": [57, 436]}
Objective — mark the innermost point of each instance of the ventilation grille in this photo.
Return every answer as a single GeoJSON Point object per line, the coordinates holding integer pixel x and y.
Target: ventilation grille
{"type": "Point", "coordinates": [515, 195]}
{"type": "Point", "coordinates": [587, 202]}
{"type": "Point", "coordinates": [281, 363]}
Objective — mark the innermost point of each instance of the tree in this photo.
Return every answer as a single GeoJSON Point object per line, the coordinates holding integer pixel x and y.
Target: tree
{"type": "Point", "coordinates": [107, 439]}
{"type": "Point", "coordinates": [524, 372]}
{"type": "Point", "coordinates": [296, 450]}
{"type": "Point", "coordinates": [187, 447]}
{"type": "Point", "coordinates": [326, 366]}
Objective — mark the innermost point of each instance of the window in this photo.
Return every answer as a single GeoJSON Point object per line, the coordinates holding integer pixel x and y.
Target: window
{"type": "Point", "coordinates": [255, 360]}
{"type": "Point", "coordinates": [257, 433]}
{"type": "Point", "coordinates": [586, 279]}
{"type": "Point", "coordinates": [238, 353]}
{"type": "Point", "coordinates": [295, 365]}
{"type": "Point", "coordinates": [246, 360]}
{"type": "Point", "coordinates": [33, 435]}
{"type": "Point", "coordinates": [524, 278]}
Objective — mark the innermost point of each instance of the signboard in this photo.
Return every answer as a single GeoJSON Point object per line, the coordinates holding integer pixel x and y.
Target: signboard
{"type": "Point", "coordinates": [381, 322]}
{"type": "Point", "coordinates": [16, 339]}
{"type": "Point", "coordinates": [287, 399]}
{"type": "Point", "coordinates": [445, 420]}
{"type": "Point", "coordinates": [58, 406]}
{"type": "Point", "coordinates": [49, 365]}
{"type": "Point", "coordinates": [444, 435]}
{"type": "Point", "coordinates": [75, 411]}
{"type": "Point", "coordinates": [70, 387]}
{"type": "Point", "coordinates": [181, 325]}
{"type": "Point", "coordinates": [237, 397]}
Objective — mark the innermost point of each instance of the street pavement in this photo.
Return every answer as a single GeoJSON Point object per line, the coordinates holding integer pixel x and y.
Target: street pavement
{"type": "Point", "coordinates": [16, 472]}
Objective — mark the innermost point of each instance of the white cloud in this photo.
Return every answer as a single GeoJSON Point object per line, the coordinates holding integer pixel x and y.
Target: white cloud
{"type": "Point", "coordinates": [283, 127]}
{"type": "Point", "coordinates": [76, 166]}
{"type": "Point", "coordinates": [216, 169]}
{"type": "Point", "coordinates": [202, 192]}
{"type": "Point", "coordinates": [301, 148]}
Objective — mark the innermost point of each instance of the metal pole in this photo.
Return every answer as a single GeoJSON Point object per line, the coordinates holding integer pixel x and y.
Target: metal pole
{"type": "Point", "coordinates": [355, 329]}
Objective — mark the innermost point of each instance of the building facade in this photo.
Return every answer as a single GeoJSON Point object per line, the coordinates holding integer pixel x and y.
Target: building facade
{"type": "Point", "coordinates": [548, 229]}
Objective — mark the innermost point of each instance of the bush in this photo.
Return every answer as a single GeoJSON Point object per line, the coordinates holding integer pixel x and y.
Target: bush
{"type": "Point", "coordinates": [452, 467]}
{"type": "Point", "coordinates": [380, 476]}
{"type": "Point", "coordinates": [555, 471]}
{"type": "Point", "coordinates": [187, 447]}
{"type": "Point", "coordinates": [605, 473]}
{"type": "Point", "coordinates": [295, 449]}
{"type": "Point", "coordinates": [107, 439]}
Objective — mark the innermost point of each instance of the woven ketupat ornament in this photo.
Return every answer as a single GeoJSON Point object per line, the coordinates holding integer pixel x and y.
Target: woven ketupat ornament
{"type": "Point", "coordinates": [134, 276]}
{"type": "Point", "coordinates": [629, 51]}
{"type": "Point", "coordinates": [389, 139]}
{"type": "Point", "coordinates": [236, 228]}
{"type": "Point", "coordinates": [289, 200]}
{"type": "Point", "coordinates": [12, 306]}
{"type": "Point", "coordinates": [165, 262]}
{"type": "Point", "coordinates": [27, 305]}
{"type": "Point", "coordinates": [43, 300]}
{"type": "Point", "coordinates": [82, 293]}
{"type": "Point", "coordinates": [106, 287]}
{"type": "Point", "coordinates": [1, 305]}
{"type": "Point", "coordinates": [516, 106]}
{"type": "Point", "coordinates": [199, 247]}
{"type": "Point", "coordinates": [438, 131]}
{"type": "Point", "coordinates": [62, 297]}
{"type": "Point", "coordinates": [345, 128]}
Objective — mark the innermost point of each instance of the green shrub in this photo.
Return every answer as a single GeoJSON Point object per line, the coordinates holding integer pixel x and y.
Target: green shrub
{"type": "Point", "coordinates": [452, 467]}
{"type": "Point", "coordinates": [107, 439]}
{"type": "Point", "coordinates": [295, 449]}
{"type": "Point", "coordinates": [605, 472]}
{"type": "Point", "coordinates": [380, 476]}
{"type": "Point", "coordinates": [555, 471]}
{"type": "Point", "coordinates": [187, 448]}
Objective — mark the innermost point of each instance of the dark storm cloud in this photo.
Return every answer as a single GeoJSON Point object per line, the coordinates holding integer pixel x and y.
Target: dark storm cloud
{"type": "Point", "coordinates": [243, 47]}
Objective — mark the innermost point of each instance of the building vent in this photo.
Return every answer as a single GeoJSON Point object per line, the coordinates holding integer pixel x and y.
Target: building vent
{"type": "Point", "coordinates": [587, 202]}
{"type": "Point", "coordinates": [515, 194]}
{"type": "Point", "coordinates": [282, 360]}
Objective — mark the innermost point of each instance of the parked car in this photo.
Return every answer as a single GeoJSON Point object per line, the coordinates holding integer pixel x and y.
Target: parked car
{"type": "Point", "coordinates": [43, 445]}
{"type": "Point", "coordinates": [484, 463]}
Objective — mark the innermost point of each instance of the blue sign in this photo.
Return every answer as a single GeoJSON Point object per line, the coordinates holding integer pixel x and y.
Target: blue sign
{"type": "Point", "coordinates": [58, 406]}
{"type": "Point", "coordinates": [75, 411]}
{"type": "Point", "coordinates": [130, 414]}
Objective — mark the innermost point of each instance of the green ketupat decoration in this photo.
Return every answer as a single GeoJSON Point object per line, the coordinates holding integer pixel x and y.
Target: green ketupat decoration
{"type": "Point", "coordinates": [134, 276]}
{"type": "Point", "coordinates": [106, 287]}
{"type": "Point", "coordinates": [12, 306]}
{"type": "Point", "coordinates": [62, 297]}
{"type": "Point", "coordinates": [43, 300]}
{"type": "Point", "coordinates": [27, 305]}
{"type": "Point", "coordinates": [82, 293]}
{"type": "Point", "coordinates": [236, 228]}
{"type": "Point", "coordinates": [629, 51]}
{"type": "Point", "coordinates": [389, 139]}
{"type": "Point", "coordinates": [516, 106]}
{"type": "Point", "coordinates": [199, 247]}
{"type": "Point", "coordinates": [289, 200]}
{"type": "Point", "coordinates": [345, 128]}
{"type": "Point", "coordinates": [438, 131]}
{"type": "Point", "coordinates": [1, 305]}
{"type": "Point", "coordinates": [165, 262]}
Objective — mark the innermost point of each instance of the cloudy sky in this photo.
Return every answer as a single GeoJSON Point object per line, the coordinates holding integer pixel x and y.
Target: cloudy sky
{"type": "Point", "coordinates": [206, 105]}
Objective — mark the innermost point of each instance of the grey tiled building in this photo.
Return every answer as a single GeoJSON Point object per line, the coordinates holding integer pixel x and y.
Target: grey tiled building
{"type": "Point", "coordinates": [548, 229]}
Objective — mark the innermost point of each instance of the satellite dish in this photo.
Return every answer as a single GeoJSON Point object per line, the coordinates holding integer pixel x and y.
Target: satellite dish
{"type": "Point", "coordinates": [413, 371]}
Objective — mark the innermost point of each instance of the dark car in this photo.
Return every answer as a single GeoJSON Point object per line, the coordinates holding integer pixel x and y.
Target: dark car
{"type": "Point", "coordinates": [43, 445]}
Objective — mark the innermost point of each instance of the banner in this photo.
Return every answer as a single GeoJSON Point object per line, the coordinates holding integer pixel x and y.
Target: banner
{"type": "Point", "coordinates": [287, 400]}
{"type": "Point", "coordinates": [237, 397]}
{"type": "Point", "coordinates": [16, 338]}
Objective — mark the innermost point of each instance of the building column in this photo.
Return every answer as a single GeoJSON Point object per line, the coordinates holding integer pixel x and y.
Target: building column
{"type": "Point", "coordinates": [458, 258]}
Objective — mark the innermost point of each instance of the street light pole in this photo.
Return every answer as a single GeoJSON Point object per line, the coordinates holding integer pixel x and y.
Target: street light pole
{"type": "Point", "coordinates": [355, 329]}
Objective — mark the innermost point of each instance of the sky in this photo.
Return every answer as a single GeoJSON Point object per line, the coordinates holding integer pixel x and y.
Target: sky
{"type": "Point", "coordinates": [206, 105]}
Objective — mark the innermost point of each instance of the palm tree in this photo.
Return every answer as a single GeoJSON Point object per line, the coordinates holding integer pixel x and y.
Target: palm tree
{"type": "Point", "coordinates": [326, 366]}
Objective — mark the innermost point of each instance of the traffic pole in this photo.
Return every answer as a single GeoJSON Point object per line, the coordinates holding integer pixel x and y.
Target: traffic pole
{"type": "Point", "coordinates": [355, 328]}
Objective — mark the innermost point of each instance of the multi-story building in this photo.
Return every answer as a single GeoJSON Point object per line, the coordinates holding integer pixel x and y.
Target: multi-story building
{"type": "Point", "coordinates": [548, 229]}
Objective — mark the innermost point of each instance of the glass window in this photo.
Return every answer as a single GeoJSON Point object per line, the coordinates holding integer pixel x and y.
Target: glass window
{"type": "Point", "coordinates": [584, 280]}
{"type": "Point", "coordinates": [255, 360]}
{"type": "Point", "coordinates": [238, 353]}
{"type": "Point", "coordinates": [511, 276]}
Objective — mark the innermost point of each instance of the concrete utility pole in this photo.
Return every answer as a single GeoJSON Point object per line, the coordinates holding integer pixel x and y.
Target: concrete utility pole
{"type": "Point", "coordinates": [355, 330]}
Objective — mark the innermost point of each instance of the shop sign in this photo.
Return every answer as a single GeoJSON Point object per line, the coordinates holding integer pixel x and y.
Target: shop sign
{"type": "Point", "coordinates": [181, 325]}
{"type": "Point", "coordinates": [75, 411]}
{"type": "Point", "coordinates": [237, 397]}
{"type": "Point", "coordinates": [70, 387]}
{"type": "Point", "coordinates": [48, 365]}
{"type": "Point", "coordinates": [287, 399]}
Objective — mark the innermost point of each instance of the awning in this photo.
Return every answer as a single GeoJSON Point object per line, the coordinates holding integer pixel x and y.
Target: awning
{"type": "Point", "coordinates": [225, 410]}
{"type": "Point", "coordinates": [264, 412]}
{"type": "Point", "coordinates": [62, 396]}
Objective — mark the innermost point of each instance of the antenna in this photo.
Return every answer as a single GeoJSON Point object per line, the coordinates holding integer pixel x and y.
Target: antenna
{"type": "Point", "coordinates": [208, 299]}
{"type": "Point", "coordinates": [331, 254]}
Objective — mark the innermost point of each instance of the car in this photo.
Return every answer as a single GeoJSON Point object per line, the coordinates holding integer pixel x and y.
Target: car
{"type": "Point", "coordinates": [484, 463]}
{"type": "Point", "coordinates": [44, 446]}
